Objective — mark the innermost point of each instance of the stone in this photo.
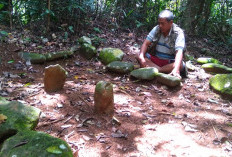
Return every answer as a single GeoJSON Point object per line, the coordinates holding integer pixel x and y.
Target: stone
{"type": "Point", "coordinates": [148, 73]}
{"type": "Point", "coordinates": [108, 55]}
{"type": "Point", "coordinates": [75, 48]}
{"type": "Point", "coordinates": [216, 68]}
{"type": "Point", "coordinates": [84, 40]}
{"type": "Point", "coordinates": [51, 56]}
{"type": "Point", "coordinates": [205, 60]}
{"type": "Point", "coordinates": [54, 78]}
{"type": "Point", "coordinates": [104, 98]}
{"type": "Point", "coordinates": [88, 51]}
{"type": "Point", "coordinates": [32, 143]}
{"type": "Point", "coordinates": [34, 58]}
{"type": "Point", "coordinates": [19, 117]}
{"type": "Point", "coordinates": [120, 67]}
{"type": "Point", "coordinates": [168, 80]}
{"type": "Point", "coordinates": [222, 84]}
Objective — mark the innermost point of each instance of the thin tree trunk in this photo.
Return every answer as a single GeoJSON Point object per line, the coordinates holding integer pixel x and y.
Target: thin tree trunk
{"type": "Point", "coordinates": [49, 17]}
{"type": "Point", "coordinates": [10, 14]}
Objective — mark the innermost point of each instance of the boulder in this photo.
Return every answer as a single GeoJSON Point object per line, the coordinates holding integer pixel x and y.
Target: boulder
{"type": "Point", "coordinates": [104, 98]}
{"type": "Point", "coordinates": [216, 68]}
{"type": "Point", "coordinates": [57, 55]}
{"type": "Point", "coordinates": [148, 73]}
{"type": "Point", "coordinates": [205, 60]}
{"type": "Point", "coordinates": [54, 78]}
{"type": "Point", "coordinates": [19, 117]}
{"type": "Point", "coordinates": [32, 144]}
{"type": "Point", "coordinates": [222, 83]}
{"type": "Point", "coordinates": [34, 58]}
{"type": "Point", "coordinates": [108, 55]}
{"type": "Point", "coordinates": [88, 51]}
{"type": "Point", "coordinates": [84, 40]}
{"type": "Point", "coordinates": [168, 80]}
{"type": "Point", "coordinates": [120, 67]}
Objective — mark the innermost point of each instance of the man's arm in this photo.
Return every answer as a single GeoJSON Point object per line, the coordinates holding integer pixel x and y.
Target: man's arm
{"type": "Point", "coordinates": [177, 63]}
{"type": "Point", "coordinates": [142, 52]}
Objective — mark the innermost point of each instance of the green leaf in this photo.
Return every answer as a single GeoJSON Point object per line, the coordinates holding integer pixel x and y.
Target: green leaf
{"type": "Point", "coordinates": [54, 150]}
{"type": "Point", "coordinates": [1, 6]}
{"type": "Point", "coordinates": [11, 61]}
{"type": "Point", "coordinates": [71, 29]}
{"type": "Point", "coordinates": [4, 33]}
{"type": "Point", "coordinates": [97, 30]}
{"type": "Point", "coordinates": [28, 84]}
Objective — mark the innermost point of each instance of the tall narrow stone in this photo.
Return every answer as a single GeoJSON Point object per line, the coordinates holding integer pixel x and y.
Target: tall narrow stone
{"type": "Point", "coordinates": [54, 78]}
{"type": "Point", "coordinates": [104, 98]}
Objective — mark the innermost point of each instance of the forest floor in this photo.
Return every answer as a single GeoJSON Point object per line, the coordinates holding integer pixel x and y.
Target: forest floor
{"type": "Point", "coordinates": [155, 120]}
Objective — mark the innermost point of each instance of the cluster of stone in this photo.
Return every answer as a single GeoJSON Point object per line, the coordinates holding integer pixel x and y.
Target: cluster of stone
{"type": "Point", "coordinates": [222, 81]}
{"type": "Point", "coordinates": [17, 137]}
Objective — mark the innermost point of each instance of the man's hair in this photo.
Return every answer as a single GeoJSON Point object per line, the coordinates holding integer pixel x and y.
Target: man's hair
{"type": "Point", "coordinates": [167, 14]}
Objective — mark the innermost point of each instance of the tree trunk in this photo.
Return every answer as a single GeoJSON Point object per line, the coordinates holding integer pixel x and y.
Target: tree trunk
{"type": "Point", "coordinates": [49, 16]}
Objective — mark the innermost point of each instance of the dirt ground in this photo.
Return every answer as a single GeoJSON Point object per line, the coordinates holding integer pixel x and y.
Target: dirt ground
{"type": "Point", "coordinates": [154, 120]}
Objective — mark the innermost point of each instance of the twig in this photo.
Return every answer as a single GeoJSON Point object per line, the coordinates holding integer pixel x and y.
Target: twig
{"type": "Point", "coordinates": [212, 126]}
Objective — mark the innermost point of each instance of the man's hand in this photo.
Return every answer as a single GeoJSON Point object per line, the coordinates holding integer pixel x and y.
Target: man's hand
{"type": "Point", "coordinates": [175, 73]}
{"type": "Point", "coordinates": [140, 58]}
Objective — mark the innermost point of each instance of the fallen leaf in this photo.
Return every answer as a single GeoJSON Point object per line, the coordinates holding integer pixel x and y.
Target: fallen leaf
{"type": "Point", "coordinates": [2, 118]}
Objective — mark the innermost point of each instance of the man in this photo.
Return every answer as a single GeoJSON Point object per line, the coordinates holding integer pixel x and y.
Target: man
{"type": "Point", "coordinates": [169, 42]}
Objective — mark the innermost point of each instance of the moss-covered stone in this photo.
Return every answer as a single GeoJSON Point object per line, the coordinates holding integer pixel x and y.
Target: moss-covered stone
{"type": "Point", "coordinates": [108, 55]}
{"type": "Point", "coordinates": [104, 98]}
{"type": "Point", "coordinates": [205, 60]}
{"type": "Point", "coordinates": [120, 67]}
{"type": "Point", "coordinates": [148, 73]}
{"type": "Point", "coordinates": [168, 80]}
{"type": "Point", "coordinates": [57, 55]}
{"type": "Point", "coordinates": [34, 58]}
{"type": "Point", "coordinates": [35, 144]}
{"type": "Point", "coordinates": [88, 51]}
{"type": "Point", "coordinates": [84, 40]}
{"type": "Point", "coordinates": [19, 117]}
{"type": "Point", "coordinates": [222, 83]}
{"type": "Point", "coordinates": [216, 68]}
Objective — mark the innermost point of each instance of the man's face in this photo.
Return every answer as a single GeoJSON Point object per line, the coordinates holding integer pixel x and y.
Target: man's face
{"type": "Point", "coordinates": [165, 25]}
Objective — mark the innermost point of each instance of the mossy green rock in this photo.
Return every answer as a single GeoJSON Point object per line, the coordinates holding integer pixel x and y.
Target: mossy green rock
{"type": "Point", "coordinates": [19, 117]}
{"type": "Point", "coordinates": [120, 67]}
{"type": "Point", "coordinates": [88, 51]}
{"type": "Point", "coordinates": [216, 68]}
{"type": "Point", "coordinates": [35, 144]}
{"type": "Point", "coordinates": [222, 83]}
{"type": "Point", "coordinates": [204, 60]}
{"type": "Point", "coordinates": [84, 40]}
{"type": "Point", "coordinates": [108, 55]}
{"type": "Point", "coordinates": [57, 55]}
{"type": "Point", "coordinates": [148, 73]}
{"type": "Point", "coordinates": [168, 80]}
{"type": "Point", "coordinates": [34, 58]}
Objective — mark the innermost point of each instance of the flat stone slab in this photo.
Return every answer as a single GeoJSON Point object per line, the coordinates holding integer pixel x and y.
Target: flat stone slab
{"type": "Point", "coordinates": [205, 60]}
{"type": "Point", "coordinates": [168, 80]}
{"type": "Point", "coordinates": [216, 68]}
{"type": "Point", "coordinates": [148, 73]}
{"type": "Point", "coordinates": [33, 144]}
{"type": "Point", "coordinates": [120, 67]}
{"type": "Point", "coordinates": [34, 58]}
{"type": "Point", "coordinates": [19, 117]}
{"type": "Point", "coordinates": [108, 55]}
{"type": "Point", "coordinates": [51, 56]}
{"type": "Point", "coordinates": [222, 84]}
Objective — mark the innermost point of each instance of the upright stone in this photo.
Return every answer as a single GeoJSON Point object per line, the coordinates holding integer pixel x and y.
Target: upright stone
{"type": "Point", "coordinates": [54, 78]}
{"type": "Point", "coordinates": [104, 98]}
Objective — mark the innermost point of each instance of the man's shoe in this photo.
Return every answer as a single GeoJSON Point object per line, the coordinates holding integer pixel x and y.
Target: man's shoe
{"type": "Point", "coordinates": [184, 71]}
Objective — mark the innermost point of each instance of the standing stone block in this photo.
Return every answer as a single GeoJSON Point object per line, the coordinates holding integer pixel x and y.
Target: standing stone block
{"type": "Point", "coordinates": [54, 78]}
{"type": "Point", "coordinates": [104, 98]}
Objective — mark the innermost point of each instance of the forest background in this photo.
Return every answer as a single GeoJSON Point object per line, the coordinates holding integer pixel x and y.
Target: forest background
{"type": "Point", "coordinates": [211, 19]}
